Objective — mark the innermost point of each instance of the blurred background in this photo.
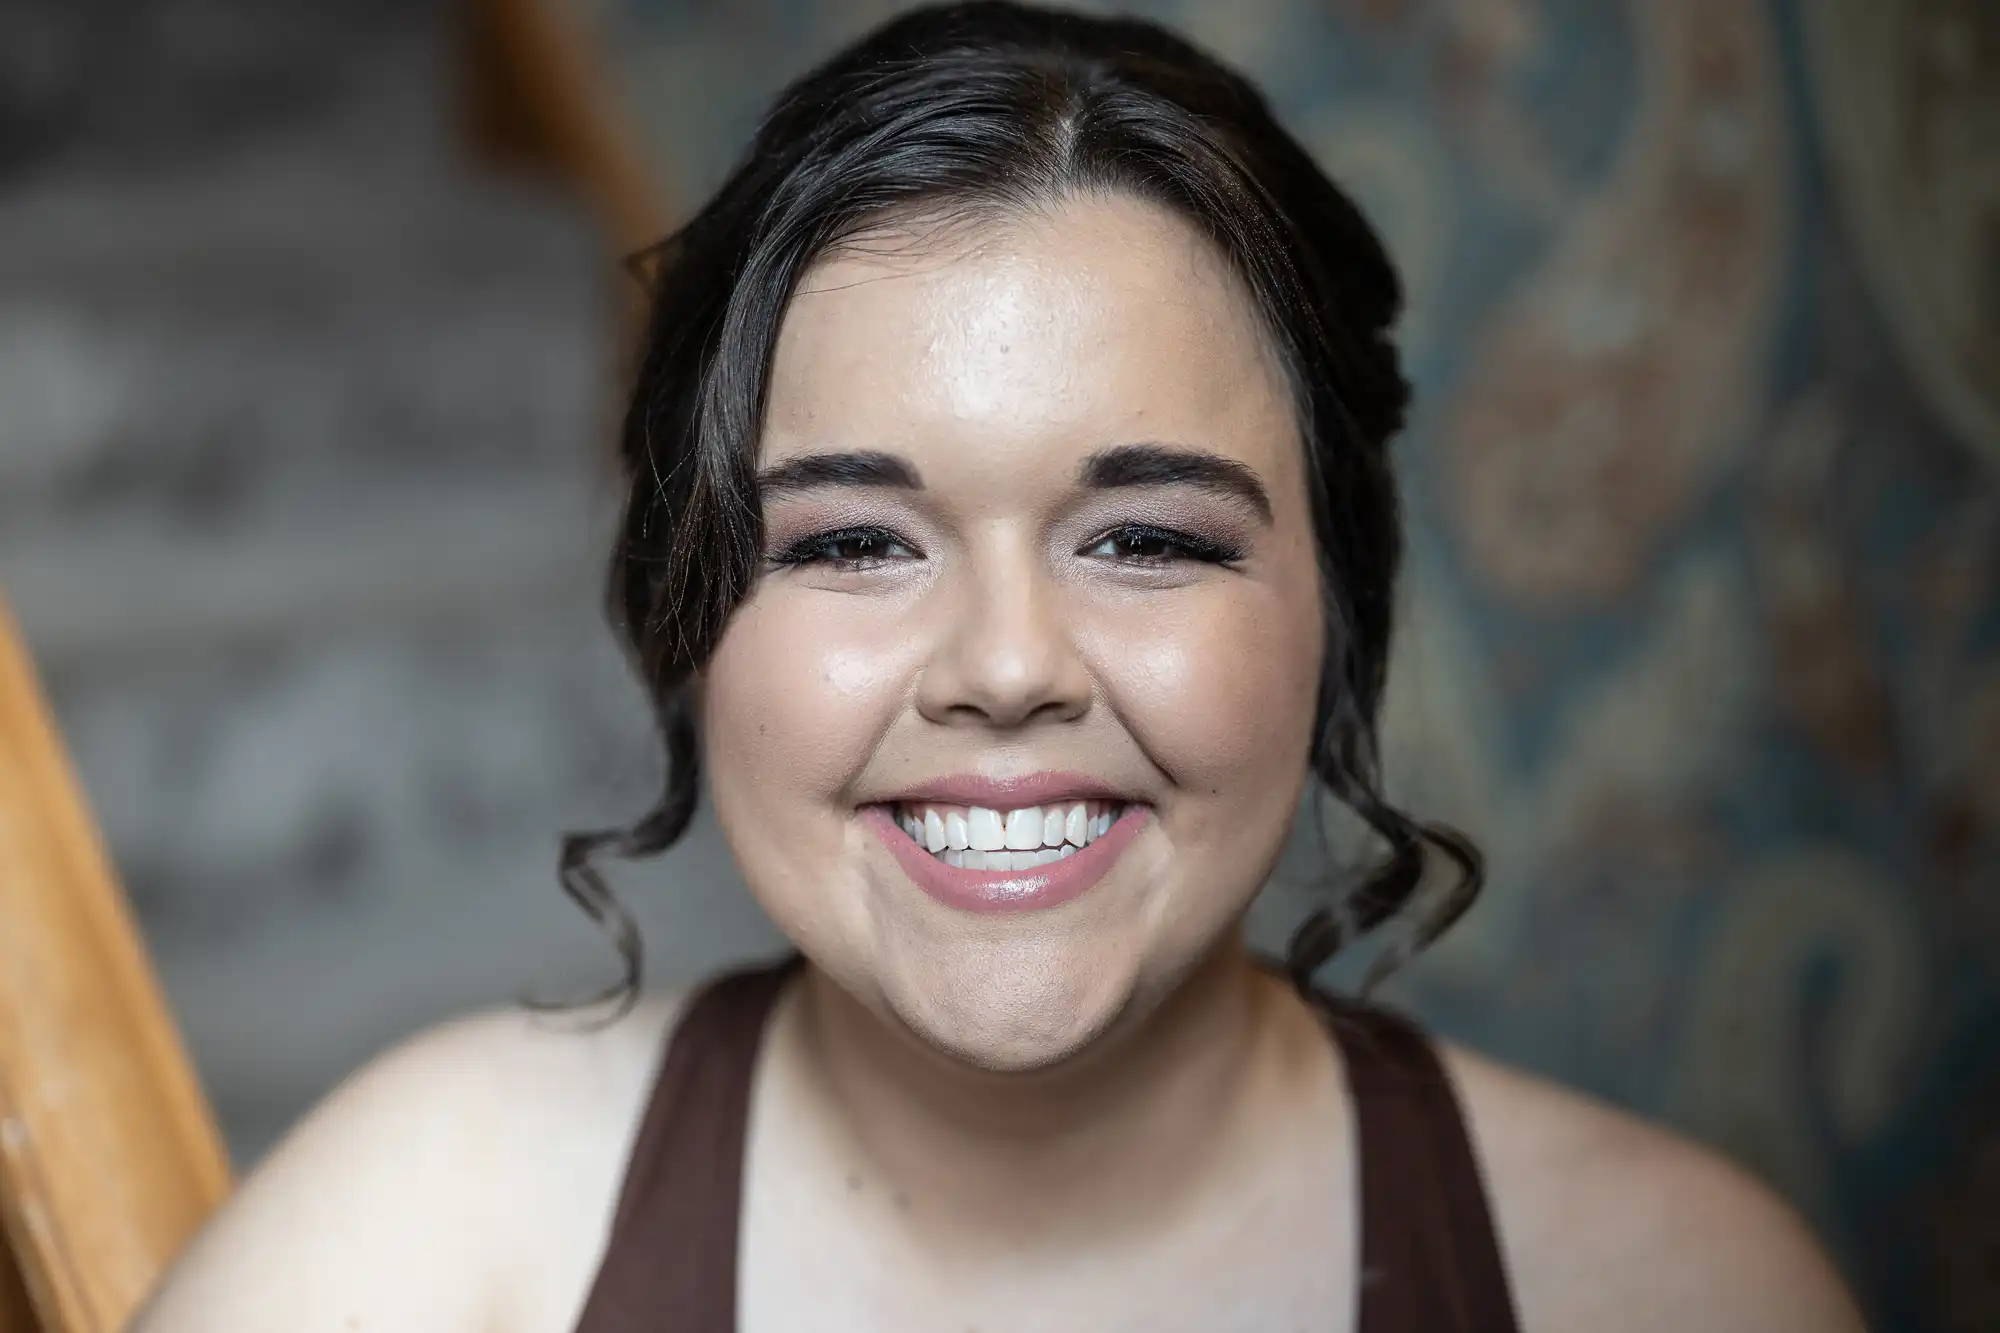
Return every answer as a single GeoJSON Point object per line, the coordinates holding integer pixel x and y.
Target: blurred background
{"type": "Point", "coordinates": [307, 375]}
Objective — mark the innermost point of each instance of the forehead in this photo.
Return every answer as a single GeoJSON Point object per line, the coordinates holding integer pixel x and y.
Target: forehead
{"type": "Point", "coordinates": [1091, 322]}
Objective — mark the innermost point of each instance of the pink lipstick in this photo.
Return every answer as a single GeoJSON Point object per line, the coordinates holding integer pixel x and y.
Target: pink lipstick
{"type": "Point", "coordinates": [1053, 865]}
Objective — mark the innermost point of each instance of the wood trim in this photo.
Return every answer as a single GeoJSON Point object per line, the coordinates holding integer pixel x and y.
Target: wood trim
{"type": "Point", "coordinates": [537, 95]}
{"type": "Point", "coordinates": [109, 1159]}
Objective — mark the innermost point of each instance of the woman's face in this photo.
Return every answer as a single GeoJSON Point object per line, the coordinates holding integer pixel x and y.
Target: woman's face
{"type": "Point", "coordinates": [1036, 539]}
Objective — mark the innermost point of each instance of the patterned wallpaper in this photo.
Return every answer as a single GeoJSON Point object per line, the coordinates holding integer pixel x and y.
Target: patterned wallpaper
{"type": "Point", "coordinates": [1701, 635]}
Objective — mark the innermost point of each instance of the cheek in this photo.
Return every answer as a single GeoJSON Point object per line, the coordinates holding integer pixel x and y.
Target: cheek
{"type": "Point", "coordinates": [794, 697]}
{"type": "Point", "coordinates": [1221, 690]}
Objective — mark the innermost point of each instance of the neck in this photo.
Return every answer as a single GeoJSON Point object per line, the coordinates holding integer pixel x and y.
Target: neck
{"type": "Point", "coordinates": [1134, 1128]}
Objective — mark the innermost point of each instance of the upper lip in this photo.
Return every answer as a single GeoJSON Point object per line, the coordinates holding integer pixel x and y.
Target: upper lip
{"type": "Point", "coordinates": [1050, 788]}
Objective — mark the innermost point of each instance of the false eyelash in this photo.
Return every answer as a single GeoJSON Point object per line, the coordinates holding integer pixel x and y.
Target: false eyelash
{"type": "Point", "coordinates": [1210, 550]}
{"type": "Point", "coordinates": [814, 547]}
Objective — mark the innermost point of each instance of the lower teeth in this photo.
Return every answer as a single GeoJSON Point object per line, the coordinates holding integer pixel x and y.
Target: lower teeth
{"type": "Point", "coordinates": [1003, 860]}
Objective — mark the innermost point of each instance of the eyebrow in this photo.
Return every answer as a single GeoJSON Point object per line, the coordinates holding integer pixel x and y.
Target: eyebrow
{"type": "Point", "coordinates": [1124, 465]}
{"type": "Point", "coordinates": [1175, 465]}
{"type": "Point", "coordinates": [810, 472]}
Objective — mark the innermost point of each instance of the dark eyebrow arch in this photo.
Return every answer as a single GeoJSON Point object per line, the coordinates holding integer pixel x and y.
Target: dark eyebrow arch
{"type": "Point", "coordinates": [810, 472]}
{"type": "Point", "coordinates": [1175, 465]}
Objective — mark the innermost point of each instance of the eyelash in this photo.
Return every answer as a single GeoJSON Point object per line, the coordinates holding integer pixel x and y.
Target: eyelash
{"type": "Point", "coordinates": [818, 549]}
{"type": "Point", "coordinates": [1181, 546]}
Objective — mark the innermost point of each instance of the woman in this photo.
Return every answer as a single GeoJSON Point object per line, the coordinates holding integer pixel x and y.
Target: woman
{"type": "Point", "coordinates": [1012, 537]}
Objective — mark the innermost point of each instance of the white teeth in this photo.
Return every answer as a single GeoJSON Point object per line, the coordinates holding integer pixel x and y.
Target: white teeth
{"type": "Point", "coordinates": [985, 839]}
{"type": "Point", "coordinates": [984, 830]}
{"type": "Point", "coordinates": [1024, 829]}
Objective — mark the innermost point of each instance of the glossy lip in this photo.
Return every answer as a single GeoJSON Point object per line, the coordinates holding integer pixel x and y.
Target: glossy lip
{"type": "Point", "coordinates": [1006, 890]}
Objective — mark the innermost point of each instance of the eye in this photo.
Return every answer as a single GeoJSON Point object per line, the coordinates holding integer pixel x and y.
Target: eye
{"type": "Point", "coordinates": [1145, 544]}
{"type": "Point", "coordinates": [846, 548]}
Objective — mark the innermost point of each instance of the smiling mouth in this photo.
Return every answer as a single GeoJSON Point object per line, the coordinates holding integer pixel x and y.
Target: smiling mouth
{"type": "Point", "coordinates": [976, 837]}
{"type": "Point", "coordinates": [986, 859]}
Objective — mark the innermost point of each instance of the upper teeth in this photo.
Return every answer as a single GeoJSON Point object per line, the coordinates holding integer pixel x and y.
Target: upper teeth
{"type": "Point", "coordinates": [979, 838]}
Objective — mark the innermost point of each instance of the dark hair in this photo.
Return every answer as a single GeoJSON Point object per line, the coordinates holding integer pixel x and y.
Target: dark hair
{"type": "Point", "coordinates": [982, 109]}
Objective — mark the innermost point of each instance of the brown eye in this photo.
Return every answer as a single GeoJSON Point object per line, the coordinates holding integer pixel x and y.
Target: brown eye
{"type": "Point", "coordinates": [848, 548]}
{"type": "Point", "coordinates": [857, 546]}
{"type": "Point", "coordinates": [1141, 546]}
{"type": "Point", "coordinates": [1145, 544]}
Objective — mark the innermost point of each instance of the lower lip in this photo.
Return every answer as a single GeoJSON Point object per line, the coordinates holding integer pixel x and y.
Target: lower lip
{"type": "Point", "coordinates": [1006, 890]}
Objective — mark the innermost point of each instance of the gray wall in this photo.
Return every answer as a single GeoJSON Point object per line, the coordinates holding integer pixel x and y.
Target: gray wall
{"type": "Point", "coordinates": [301, 512]}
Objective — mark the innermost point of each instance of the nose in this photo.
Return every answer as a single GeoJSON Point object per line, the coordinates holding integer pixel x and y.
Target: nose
{"type": "Point", "coordinates": [1007, 658]}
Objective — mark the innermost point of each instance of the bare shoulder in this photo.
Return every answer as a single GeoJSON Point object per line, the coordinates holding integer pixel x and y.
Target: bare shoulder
{"type": "Point", "coordinates": [1608, 1222]}
{"type": "Point", "coordinates": [410, 1196]}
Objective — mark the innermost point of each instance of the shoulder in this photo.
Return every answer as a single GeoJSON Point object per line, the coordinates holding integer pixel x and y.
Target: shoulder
{"type": "Point", "coordinates": [416, 1194]}
{"type": "Point", "coordinates": [1608, 1222]}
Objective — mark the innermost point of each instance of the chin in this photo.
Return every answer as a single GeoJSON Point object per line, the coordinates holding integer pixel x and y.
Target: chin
{"type": "Point", "coordinates": [1013, 1006]}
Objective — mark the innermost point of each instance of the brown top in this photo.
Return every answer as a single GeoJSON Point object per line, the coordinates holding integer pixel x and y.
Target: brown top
{"type": "Point", "coordinates": [1430, 1259]}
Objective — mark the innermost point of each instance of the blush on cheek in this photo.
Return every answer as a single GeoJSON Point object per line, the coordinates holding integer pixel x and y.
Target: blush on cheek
{"type": "Point", "coordinates": [1222, 699]}
{"type": "Point", "coordinates": [793, 703]}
